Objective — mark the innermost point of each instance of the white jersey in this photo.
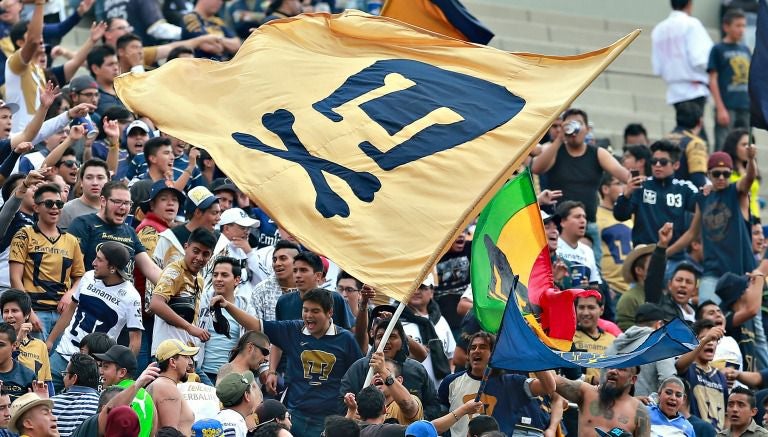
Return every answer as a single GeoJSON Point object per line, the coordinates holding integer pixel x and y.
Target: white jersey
{"type": "Point", "coordinates": [582, 259]}
{"type": "Point", "coordinates": [101, 309]}
{"type": "Point", "coordinates": [233, 423]}
{"type": "Point", "coordinates": [443, 331]}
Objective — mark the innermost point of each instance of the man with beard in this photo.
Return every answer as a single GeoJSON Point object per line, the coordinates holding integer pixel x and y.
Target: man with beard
{"type": "Point", "coordinates": [173, 357]}
{"type": "Point", "coordinates": [609, 405]}
{"type": "Point", "coordinates": [511, 399]}
{"type": "Point", "coordinates": [709, 390]}
{"type": "Point", "coordinates": [109, 225]}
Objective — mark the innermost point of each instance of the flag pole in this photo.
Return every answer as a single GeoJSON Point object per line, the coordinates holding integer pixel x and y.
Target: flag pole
{"type": "Point", "coordinates": [385, 338]}
{"type": "Point", "coordinates": [487, 371]}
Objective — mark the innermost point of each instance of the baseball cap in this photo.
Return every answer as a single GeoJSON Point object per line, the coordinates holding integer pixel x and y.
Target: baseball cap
{"type": "Point", "coordinates": [421, 428]}
{"type": "Point", "coordinates": [122, 421]}
{"type": "Point", "coordinates": [200, 198]}
{"type": "Point", "coordinates": [117, 255]}
{"type": "Point", "coordinates": [224, 184]}
{"type": "Point", "coordinates": [730, 287]}
{"type": "Point", "coordinates": [232, 387]}
{"type": "Point", "coordinates": [649, 312]}
{"type": "Point", "coordinates": [207, 428]}
{"type": "Point", "coordinates": [81, 83]}
{"type": "Point", "coordinates": [120, 355]}
{"type": "Point", "coordinates": [238, 217]}
{"type": "Point", "coordinates": [270, 410]}
{"type": "Point", "coordinates": [23, 404]}
{"type": "Point", "coordinates": [615, 432]}
{"type": "Point", "coordinates": [719, 159]}
{"type": "Point", "coordinates": [137, 124]}
{"type": "Point", "coordinates": [429, 281]}
{"type": "Point", "coordinates": [172, 347]}
{"type": "Point", "coordinates": [158, 187]}
{"type": "Point", "coordinates": [11, 106]}
{"type": "Point", "coordinates": [546, 217]}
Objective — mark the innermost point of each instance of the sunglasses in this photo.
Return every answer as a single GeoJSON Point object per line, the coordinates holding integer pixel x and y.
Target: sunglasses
{"type": "Point", "coordinates": [70, 163]}
{"type": "Point", "coordinates": [661, 161]}
{"type": "Point", "coordinates": [51, 203]}
{"type": "Point", "coordinates": [264, 351]}
{"type": "Point", "coordinates": [717, 174]}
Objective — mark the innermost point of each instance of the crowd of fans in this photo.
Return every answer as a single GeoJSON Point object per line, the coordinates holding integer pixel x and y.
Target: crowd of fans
{"type": "Point", "coordinates": [144, 294]}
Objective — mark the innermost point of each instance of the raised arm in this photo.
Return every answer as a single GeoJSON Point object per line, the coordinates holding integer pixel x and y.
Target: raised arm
{"type": "Point", "coordinates": [686, 360]}
{"type": "Point", "coordinates": [570, 390]}
{"type": "Point", "coordinates": [72, 65]}
{"type": "Point", "coordinates": [546, 159]}
{"type": "Point", "coordinates": [34, 35]}
{"type": "Point", "coordinates": [47, 97]}
{"type": "Point", "coordinates": [75, 133]}
{"type": "Point", "coordinates": [544, 384]}
{"type": "Point", "coordinates": [654, 281]}
{"type": "Point", "coordinates": [749, 304]}
{"type": "Point", "coordinates": [745, 183]}
{"type": "Point", "coordinates": [688, 236]}
{"type": "Point", "coordinates": [612, 166]}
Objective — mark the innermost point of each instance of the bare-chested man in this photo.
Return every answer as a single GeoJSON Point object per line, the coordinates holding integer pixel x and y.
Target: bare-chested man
{"type": "Point", "coordinates": [608, 405]}
{"type": "Point", "coordinates": [173, 357]}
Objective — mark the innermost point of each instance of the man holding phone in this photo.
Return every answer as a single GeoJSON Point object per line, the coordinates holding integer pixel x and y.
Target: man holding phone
{"type": "Point", "coordinates": [658, 199]}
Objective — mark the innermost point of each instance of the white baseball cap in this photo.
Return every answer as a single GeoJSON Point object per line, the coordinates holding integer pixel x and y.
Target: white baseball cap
{"type": "Point", "coordinates": [238, 217]}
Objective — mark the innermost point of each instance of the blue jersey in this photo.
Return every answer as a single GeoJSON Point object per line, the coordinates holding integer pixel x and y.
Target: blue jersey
{"type": "Point", "coordinates": [92, 231]}
{"type": "Point", "coordinates": [507, 399]}
{"type": "Point", "coordinates": [18, 381]}
{"type": "Point", "coordinates": [289, 308]}
{"type": "Point", "coordinates": [315, 366]}
{"type": "Point", "coordinates": [725, 234]}
{"type": "Point", "coordinates": [138, 169]}
{"type": "Point", "coordinates": [654, 203]}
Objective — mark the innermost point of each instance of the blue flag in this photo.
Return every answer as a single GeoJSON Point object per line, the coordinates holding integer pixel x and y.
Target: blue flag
{"type": "Point", "coordinates": [518, 348]}
{"type": "Point", "coordinates": [758, 78]}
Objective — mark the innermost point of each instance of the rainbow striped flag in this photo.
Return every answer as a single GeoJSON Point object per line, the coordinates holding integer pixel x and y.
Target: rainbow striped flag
{"type": "Point", "coordinates": [512, 222]}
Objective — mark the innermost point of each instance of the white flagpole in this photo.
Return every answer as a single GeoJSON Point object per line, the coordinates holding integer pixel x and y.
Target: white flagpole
{"type": "Point", "coordinates": [384, 339]}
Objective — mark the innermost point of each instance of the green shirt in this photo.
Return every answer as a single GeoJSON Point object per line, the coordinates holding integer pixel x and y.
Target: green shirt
{"type": "Point", "coordinates": [143, 406]}
{"type": "Point", "coordinates": [627, 306]}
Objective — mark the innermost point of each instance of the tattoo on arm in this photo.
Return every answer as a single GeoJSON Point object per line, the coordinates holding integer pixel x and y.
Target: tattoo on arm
{"type": "Point", "coordinates": [568, 389]}
{"type": "Point", "coordinates": [642, 421]}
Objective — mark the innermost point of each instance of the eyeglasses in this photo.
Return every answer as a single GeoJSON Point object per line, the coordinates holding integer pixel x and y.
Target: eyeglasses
{"type": "Point", "coordinates": [264, 351]}
{"type": "Point", "coordinates": [90, 95]}
{"type": "Point", "coordinates": [70, 163]}
{"type": "Point", "coordinates": [717, 174]}
{"type": "Point", "coordinates": [661, 161]}
{"type": "Point", "coordinates": [341, 289]}
{"type": "Point", "coordinates": [51, 203]}
{"type": "Point", "coordinates": [118, 203]}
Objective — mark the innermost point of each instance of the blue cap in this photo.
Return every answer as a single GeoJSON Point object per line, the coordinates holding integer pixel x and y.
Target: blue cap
{"type": "Point", "coordinates": [158, 187]}
{"type": "Point", "coordinates": [421, 428]}
{"type": "Point", "coordinates": [207, 428]}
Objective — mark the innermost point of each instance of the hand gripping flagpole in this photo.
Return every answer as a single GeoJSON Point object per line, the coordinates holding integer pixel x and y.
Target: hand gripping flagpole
{"type": "Point", "coordinates": [487, 371]}
{"type": "Point", "coordinates": [384, 339]}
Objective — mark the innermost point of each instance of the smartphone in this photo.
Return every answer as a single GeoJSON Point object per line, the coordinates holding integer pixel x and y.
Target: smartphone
{"type": "Point", "coordinates": [634, 173]}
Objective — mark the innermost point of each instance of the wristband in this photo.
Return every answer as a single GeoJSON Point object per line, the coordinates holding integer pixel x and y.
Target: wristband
{"type": "Point", "coordinates": [455, 416]}
{"type": "Point", "coordinates": [271, 372]}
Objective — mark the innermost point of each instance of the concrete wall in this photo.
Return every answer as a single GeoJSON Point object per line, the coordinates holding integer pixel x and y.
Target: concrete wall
{"type": "Point", "coordinates": [636, 11]}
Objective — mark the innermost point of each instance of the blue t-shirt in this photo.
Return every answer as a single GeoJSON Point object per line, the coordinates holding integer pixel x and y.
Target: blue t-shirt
{"type": "Point", "coordinates": [267, 228]}
{"type": "Point", "coordinates": [289, 308]}
{"type": "Point", "coordinates": [18, 381]}
{"type": "Point", "coordinates": [92, 231]}
{"type": "Point", "coordinates": [138, 169]}
{"type": "Point", "coordinates": [218, 347]}
{"type": "Point", "coordinates": [731, 62]}
{"type": "Point", "coordinates": [315, 366]}
{"type": "Point", "coordinates": [662, 425]}
{"type": "Point", "coordinates": [727, 240]}
{"type": "Point", "coordinates": [506, 400]}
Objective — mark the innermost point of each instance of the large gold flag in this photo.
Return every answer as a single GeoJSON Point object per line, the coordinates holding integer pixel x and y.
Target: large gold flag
{"type": "Point", "coordinates": [371, 141]}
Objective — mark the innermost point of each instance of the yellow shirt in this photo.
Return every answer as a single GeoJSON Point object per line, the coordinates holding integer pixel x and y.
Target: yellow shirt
{"type": "Point", "coordinates": [754, 194]}
{"type": "Point", "coordinates": [394, 412]}
{"type": "Point", "coordinates": [583, 341]}
{"type": "Point", "coordinates": [33, 354]}
{"type": "Point", "coordinates": [50, 267]}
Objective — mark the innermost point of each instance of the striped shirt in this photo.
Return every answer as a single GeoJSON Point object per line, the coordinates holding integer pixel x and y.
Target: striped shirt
{"type": "Point", "coordinates": [73, 406]}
